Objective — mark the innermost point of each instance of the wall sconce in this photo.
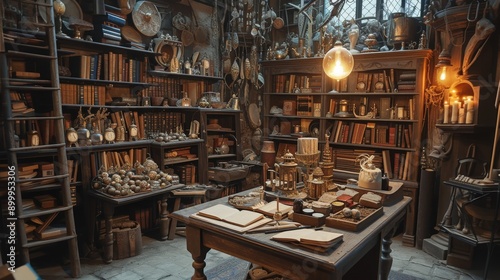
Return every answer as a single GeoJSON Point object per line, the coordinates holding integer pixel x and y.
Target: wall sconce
{"type": "Point", "coordinates": [444, 62]}
{"type": "Point", "coordinates": [338, 62]}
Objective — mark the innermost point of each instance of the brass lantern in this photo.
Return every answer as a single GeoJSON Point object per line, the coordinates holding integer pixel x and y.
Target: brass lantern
{"type": "Point", "coordinates": [317, 186]}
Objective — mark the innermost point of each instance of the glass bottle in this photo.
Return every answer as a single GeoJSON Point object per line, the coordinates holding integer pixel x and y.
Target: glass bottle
{"type": "Point", "coordinates": [187, 66]}
{"type": "Point", "coordinates": [362, 106]}
{"type": "Point", "coordinates": [186, 101]}
{"type": "Point", "coordinates": [224, 147]}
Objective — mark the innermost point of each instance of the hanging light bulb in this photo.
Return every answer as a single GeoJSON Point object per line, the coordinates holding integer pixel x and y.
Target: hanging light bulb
{"type": "Point", "coordinates": [444, 61]}
{"type": "Point", "coordinates": [338, 62]}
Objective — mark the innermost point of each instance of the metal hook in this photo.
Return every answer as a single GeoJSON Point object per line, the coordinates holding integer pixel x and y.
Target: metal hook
{"type": "Point", "coordinates": [477, 12]}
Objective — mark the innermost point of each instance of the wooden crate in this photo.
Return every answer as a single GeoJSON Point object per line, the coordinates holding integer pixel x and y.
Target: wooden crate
{"type": "Point", "coordinates": [335, 220]}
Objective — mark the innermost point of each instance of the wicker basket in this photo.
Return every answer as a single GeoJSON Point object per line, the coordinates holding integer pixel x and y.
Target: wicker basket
{"type": "Point", "coordinates": [127, 240]}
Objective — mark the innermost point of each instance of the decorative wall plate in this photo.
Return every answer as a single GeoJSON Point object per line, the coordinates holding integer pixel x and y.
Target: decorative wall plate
{"type": "Point", "coordinates": [254, 116]}
{"type": "Point", "coordinates": [146, 18]}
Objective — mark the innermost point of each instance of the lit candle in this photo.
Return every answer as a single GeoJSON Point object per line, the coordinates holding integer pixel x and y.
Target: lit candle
{"type": "Point", "coordinates": [469, 116]}
{"type": "Point", "coordinates": [446, 112]}
{"type": "Point", "coordinates": [454, 112]}
{"type": "Point", "coordinates": [461, 115]}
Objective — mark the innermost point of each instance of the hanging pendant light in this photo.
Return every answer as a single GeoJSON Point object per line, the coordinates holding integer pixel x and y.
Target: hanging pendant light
{"type": "Point", "coordinates": [444, 62]}
{"type": "Point", "coordinates": [338, 62]}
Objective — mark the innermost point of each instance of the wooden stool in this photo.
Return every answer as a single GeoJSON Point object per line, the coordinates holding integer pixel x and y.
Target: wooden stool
{"type": "Point", "coordinates": [198, 197]}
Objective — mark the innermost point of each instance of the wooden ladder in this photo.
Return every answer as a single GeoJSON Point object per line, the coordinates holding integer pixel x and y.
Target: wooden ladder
{"type": "Point", "coordinates": [45, 89]}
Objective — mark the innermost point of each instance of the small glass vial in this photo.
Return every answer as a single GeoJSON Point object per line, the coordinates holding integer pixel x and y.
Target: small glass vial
{"type": "Point", "coordinates": [187, 66]}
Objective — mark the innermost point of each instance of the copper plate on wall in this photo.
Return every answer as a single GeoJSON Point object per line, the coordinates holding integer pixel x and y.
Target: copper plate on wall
{"type": "Point", "coordinates": [131, 34]}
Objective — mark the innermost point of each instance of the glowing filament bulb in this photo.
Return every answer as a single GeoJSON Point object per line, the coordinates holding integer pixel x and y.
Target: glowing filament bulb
{"type": "Point", "coordinates": [442, 76]}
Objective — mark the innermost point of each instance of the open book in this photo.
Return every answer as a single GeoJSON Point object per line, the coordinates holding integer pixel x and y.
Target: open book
{"type": "Point", "coordinates": [310, 238]}
{"type": "Point", "coordinates": [231, 215]}
{"type": "Point", "coordinates": [272, 207]}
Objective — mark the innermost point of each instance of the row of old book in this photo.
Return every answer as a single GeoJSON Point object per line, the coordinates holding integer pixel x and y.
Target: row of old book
{"type": "Point", "coordinates": [83, 94]}
{"type": "Point", "coordinates": [289, 83]}
{"type": "Point", "coordinates": [393, 135]}
{"type": "Point", "coordinates": [107, 159]}
{"type": "Point", "coordinates": [163, 121]}
{"type": "Point", "coordinates": [396, 165]}
{"type": "Point", "coordinates": [387, 77]}
{"type": "Point", "coordinates": [110, 66]}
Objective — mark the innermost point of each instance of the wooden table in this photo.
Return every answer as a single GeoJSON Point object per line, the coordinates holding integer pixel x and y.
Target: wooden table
{"type": "Point", "coordinates": [361, 255]}
{"type": "Point", "coordinates": [109, 204]}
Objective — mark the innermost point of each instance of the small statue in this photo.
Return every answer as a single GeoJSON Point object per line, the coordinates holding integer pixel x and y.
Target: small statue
{"type": "Point", "coordinates": [353, 36]}
{"type": "Point", "coordinates": [422, 44]}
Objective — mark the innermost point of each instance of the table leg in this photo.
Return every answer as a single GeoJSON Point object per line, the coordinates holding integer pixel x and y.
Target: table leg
{"type": "Point", "coordinates": [173, 222]}
{"type": "Point", "coordinates": [164, 219]}
{"type": "Point", "coordinates": [198, 252]}
{"type": "Point", "coordinates": [385, 258]}
{"type": "Point", "coordinates": [108, 240]}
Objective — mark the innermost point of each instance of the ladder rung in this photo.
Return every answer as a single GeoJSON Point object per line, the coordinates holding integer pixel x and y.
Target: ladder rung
{"type": "Point", "coordinates": [41, 147]}
{"type": "Point", "coordinates": [39, 24]}
{"type": "Point", "coordinates": [27, 54]}
{"type": "Point", "coordinates": [36, 3]}
{"type": "Point", "coordinates": [41, 212]}
{"type": "Point", "coordinates": [29, 118]}
{"type": "Point", "coordinates": [31, 88]}
{"type": "Point", "coordinates": [20, 82]}
{"type": "Point", "coordinates": [48, 241]}
{"type": "Point", "coordinates": [43, 178]}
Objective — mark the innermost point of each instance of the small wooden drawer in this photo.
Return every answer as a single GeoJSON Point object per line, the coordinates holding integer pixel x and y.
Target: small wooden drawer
{"type": "Point", "coordinates": [308, 220]}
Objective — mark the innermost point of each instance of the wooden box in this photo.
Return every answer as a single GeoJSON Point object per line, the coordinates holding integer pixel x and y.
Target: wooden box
{"type": "Point", "coordinates": [308, 220]}
{"type": "Point", "coordinates": [45, 201]}
{"type": "Point", "coordinates": [289, 108]}
{"type": "Point", "coordinates": [285, 128]}
{"type": "Point", "coordinates": [337, 221]}
{"type": "Point", "coordinates": [46, 169]}
{"type": "Point", "coordinates": [127, 240]}
{"type": "Point", "coordinates": [393, 195]}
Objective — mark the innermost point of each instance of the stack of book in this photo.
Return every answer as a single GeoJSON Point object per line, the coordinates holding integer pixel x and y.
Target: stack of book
{"type": "Point", "coordinates": [187, 174]}
{"type": "Point", "coordinates": [111, 33]}
{"type": "Point", "coordinates": [407, 81]}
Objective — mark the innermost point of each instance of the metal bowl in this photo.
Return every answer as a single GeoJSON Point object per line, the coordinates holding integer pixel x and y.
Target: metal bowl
{"type": "Point", "coordinates": [218, 105]}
